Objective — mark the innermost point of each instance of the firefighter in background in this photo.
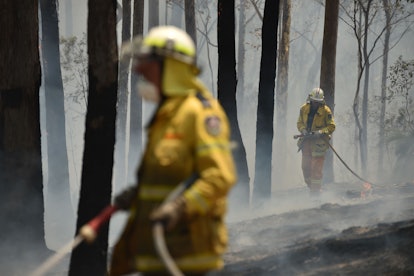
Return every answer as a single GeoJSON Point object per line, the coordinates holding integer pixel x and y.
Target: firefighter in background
{"type": "Point", "coordinates": [316, 124]}
{"type": "Point", "coordinates": [188, 135]}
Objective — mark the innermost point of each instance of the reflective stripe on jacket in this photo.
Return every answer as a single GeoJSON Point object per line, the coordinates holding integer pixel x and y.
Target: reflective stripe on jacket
{"type": "Point", "coordinates": [323, 120]}
{"type": "Point", "coordinates": [187, 135]}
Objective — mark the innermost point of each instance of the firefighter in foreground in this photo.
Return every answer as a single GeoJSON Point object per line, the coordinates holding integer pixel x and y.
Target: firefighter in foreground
{"type": "Point", "coordinates": [188, 135]}
{"type": "Point", "coordinates": [316, 124]}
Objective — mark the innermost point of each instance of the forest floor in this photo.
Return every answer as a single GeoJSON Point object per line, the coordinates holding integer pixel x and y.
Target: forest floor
{"type": "Point", "coordinates": [341, 233]}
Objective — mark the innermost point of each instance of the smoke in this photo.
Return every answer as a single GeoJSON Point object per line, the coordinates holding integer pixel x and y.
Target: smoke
{"type": "Point", "coordinates": [288, 197]}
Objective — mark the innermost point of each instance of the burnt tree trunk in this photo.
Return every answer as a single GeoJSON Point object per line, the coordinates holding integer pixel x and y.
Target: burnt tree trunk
{"type": "Point", "coordinates": [21, 183]}
{"type": "Point", "coordinates": [190, 22]}
{"type": "Point", "coordinates": [226, 87]}
{"type": "Point", "coordinates": [96, 186]}
{"type": "Point", "coordinates": [327, 78]}
{"type": "Point", "coordinates": [262, 187]}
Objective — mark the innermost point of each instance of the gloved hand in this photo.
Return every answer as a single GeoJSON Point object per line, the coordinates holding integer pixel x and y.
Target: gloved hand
{"type": "Point", "coordinates": [317, 133]}
{"type": "Point", "coordinates": [170, 213]}
{"type": "Point", "coordinates": [124, 199]}
{"type": "Point", "coordinates": [304, 132]}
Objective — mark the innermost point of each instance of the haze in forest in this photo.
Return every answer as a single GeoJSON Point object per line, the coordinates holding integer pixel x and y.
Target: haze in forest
{"type": "Point", "coordinates": [304, 69]}
{"type": "Point", "coordinates": [304, 72]}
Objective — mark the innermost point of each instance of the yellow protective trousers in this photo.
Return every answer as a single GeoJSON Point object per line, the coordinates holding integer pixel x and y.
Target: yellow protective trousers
{"type": "Point", "coordinates": [312, 166]}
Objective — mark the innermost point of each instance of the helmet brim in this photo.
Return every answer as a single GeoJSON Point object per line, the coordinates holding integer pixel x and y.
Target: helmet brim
{"type": "Point", "coordinates": [316, 100]}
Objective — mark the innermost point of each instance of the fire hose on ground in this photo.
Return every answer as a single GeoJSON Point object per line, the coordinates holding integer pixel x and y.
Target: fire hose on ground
{"type": "Point", "coordinates": [89, 232]}
{"type": "Point", "coordinates": [367, 184]}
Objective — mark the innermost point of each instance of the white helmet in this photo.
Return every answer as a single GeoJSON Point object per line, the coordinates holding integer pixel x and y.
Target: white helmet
{"type": "Point", "coordinates": [165, 41]}
{"type": "Point", "coordinates": [316, 95]}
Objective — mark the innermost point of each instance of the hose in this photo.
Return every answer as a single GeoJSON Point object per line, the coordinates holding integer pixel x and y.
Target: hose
{"type": "Point", "coordinates": [158, 229]}
{"type": "Point", "coordinates": [159, 238]}
{"type": "Point", "coordinates": [346, 165]}
{"type": "Point", "coordinates": [337, 155]}
{"type": "Point", "coordinates": [87, 233]}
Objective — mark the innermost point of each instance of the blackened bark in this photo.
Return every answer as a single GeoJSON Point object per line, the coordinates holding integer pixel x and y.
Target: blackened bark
{"type": "Point", "coordinates": [96, 186]}
{"type": "Point", "coordinates": [21, 183]}
{"type": "Point", "coordinates": [262, 187]}
{"type": "Point", "coordinates": [227, 83]}
{"type": "Point", "coordinates": [328, 64]}
{"type": "Point", "coordinates": [190, 22]}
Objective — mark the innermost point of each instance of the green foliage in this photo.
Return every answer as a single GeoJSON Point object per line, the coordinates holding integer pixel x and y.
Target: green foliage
{"type": "Point", "coordinates": [400, 91]}
{"type": "Point", "coordinates": [400, 123]}
{"type": "Point", "coordinates": [74, 64]}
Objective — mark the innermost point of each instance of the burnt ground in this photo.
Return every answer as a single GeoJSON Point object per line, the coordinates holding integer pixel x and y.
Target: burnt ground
{"type": "Point", "coordinates": [339, 234]}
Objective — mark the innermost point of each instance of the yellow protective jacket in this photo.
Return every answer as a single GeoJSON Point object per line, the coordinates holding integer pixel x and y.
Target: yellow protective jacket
{"type": "Point", "coordinates": [323, 120]}
{"type": "Point", "coordinates": [189, 134]}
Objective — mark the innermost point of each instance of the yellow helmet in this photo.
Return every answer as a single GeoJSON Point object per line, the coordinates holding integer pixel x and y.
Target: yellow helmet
{"type": "Point", "coordinates": [165, 41]}
{"type": "Point", "coordinates": [316, 95]}
{"type": "Point", "coordinates": [179, 53]}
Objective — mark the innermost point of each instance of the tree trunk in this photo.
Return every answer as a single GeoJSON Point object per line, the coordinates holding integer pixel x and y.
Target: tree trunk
{"type": "Point", "coordinates": [135, 128]}
{"type": "Point", "coordinates": [381, 134]}
{"type": "Point", "coordinates": [190, 22]}
{"type": "Point", "coordinates": [328, 64]}
{"type": "Point", "coordinates": [282, 95]}
{"type": "Point", "coordinates": [241, 56]}
{"type": "Point", "coordinates": [21, 189]}
{"type": "Point", "coordinates": [355, 105]}
{"type": "Point", "coordinates": [59, 214]}
{"type": "Point", "coordinates": [226, 87]}
{"type": "Point", "coordinates": [262, 187]}
{"type": "Point", "coordinates": [153, 13]}
{"type": "Point", "coordinates": [364, 121]}
{"type": "Point", "coordinates": [176, 16]}
{"type": "Point", "coordinates": [96, 186]}
{"type": "Point", "coordinates": [121, 164]}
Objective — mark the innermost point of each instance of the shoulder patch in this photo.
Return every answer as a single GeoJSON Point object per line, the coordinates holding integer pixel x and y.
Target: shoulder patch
{"type": "Point", "coordinates": [213, 125]}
